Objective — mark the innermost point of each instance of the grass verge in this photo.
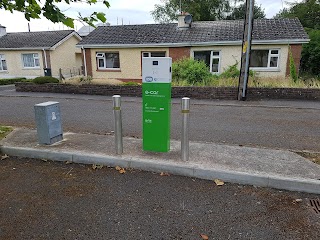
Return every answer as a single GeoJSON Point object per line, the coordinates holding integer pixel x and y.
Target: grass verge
{"type": "Point", "coordinates": [4, 131]}
{"type": "Point", "coordinates": [263, 82]}
{"type": "Point", "coordinates": [314, 157]}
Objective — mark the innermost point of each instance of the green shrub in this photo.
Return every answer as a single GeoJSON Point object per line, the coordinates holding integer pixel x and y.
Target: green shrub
{"type": "Point", "coordinates": [190, 70]}
{"type": "Point", "coordinates": [130, 84]}
{"type": "Point", "coordinates": [85, 79]}
{"type": "Point", "coordinates": [292, 67]}
{"type": "Point", "coordinates": [231, 72]}
{"type": "Point", "coordinates": [7, 81]}
{"type": "Point", "coordinates": [45, 79]}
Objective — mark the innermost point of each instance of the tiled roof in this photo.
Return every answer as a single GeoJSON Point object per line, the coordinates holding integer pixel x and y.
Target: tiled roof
{"type": "Point", "coordinates": [45, 39]}
{"type": "Point", "coordinates": [221, 31]}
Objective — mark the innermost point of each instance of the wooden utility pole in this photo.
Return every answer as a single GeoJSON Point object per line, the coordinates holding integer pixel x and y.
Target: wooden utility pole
{"type": "Point", "coordinates": [246, 48]}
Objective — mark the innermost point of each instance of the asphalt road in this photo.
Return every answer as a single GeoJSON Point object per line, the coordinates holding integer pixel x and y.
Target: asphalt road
{"type": "Point", "coordinates": [54, 200]}
{"type": "Point", "coordinates": [274, 124]}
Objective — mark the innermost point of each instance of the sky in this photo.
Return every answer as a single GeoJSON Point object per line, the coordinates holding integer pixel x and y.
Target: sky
{"type": "Point", "coordinates": [120, 12]}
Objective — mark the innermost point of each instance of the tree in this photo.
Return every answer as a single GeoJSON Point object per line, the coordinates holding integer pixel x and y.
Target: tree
{"type": "Point", "coordinates": [240, 12]}
{"type": "Point", "coordinates": [308, 12]}
{"type": "Point", "coordinates": [33, 9]}
{"type": "Point", "coordinates": [201, 10]}
{"type": "Point", "coordinates": [310, 56]}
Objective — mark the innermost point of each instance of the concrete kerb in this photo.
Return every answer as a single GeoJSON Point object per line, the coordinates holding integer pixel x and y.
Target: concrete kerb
{"type": "Point", "coordinates": [183, 169]}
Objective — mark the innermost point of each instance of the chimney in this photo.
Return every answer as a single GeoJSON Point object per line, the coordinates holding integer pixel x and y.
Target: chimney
{"type": "Point", "coordinates": [2, 30]}
{"type": "Point", "coordinates": [184, 20]}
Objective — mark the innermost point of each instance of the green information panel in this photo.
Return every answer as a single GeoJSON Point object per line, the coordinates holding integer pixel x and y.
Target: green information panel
{"type": "Point", "coordinates": [156, 116]}
{"type": "Point", "coordinates": [156, 100]}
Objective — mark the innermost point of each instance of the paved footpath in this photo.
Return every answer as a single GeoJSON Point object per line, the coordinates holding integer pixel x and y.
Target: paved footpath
{"type": "Point", "coordinates": [54, 200]}
{"type": "Point", "coordinates": [247, 165]}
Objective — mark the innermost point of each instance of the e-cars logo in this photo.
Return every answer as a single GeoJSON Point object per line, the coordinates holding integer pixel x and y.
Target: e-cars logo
{"type": "Point", "coordinates": [149, 79]}
{"type": "Point", "coordinates": [151, 92]}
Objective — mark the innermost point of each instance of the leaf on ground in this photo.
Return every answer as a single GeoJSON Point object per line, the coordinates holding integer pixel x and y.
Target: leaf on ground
{"type": "Point", "coordinates": [118, 168]}
{"type": "Point", "coordinates": [4, 157]}
{"type": "Point", "coordinates": [205, 237]}
{"type": "Point", "coordinates": [45, 160]}
{"type": "Point", "coordinates": [297, 200]}
{"type": "Point", "coordinates": [97, 166]}
{"type": "Point", "coordinates": [122, 171]}
{"type": "Point", "coordinates": [219, 182]}
{"type": "Point", "coordinates": [164, 174]}
{"type": "Point", "coordinates": [68, 162]}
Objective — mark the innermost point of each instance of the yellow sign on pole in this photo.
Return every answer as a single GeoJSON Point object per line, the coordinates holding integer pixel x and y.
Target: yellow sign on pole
{"type": "Point", "coordinates": [245, 47]}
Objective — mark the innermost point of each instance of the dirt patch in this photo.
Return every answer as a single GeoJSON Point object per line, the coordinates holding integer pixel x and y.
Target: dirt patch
{"type": "Point", "coordinates": [314, 157]}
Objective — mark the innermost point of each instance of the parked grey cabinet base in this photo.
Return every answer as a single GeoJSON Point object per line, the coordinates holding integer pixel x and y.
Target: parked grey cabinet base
{"type": "Point", "coordinates": [48, 121]}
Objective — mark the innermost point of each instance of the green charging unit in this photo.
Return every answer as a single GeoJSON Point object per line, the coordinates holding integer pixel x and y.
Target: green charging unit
{"type": "Point", "coordinates": [156, 103]}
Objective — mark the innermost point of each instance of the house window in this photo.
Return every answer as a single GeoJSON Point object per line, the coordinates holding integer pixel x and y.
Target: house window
{"type": "Point", "coordinates": [3, 63]}
{"type": "Point", "coordinates": [153, 54]}
{"type": "Point", "coordinates": [31, 60]}
{"type": "Point", "coordinates": [264, 58]}
{"type": "Point", "coordinates": [211, 59]}
{"type": "Point", "coordinates": [108, 60]}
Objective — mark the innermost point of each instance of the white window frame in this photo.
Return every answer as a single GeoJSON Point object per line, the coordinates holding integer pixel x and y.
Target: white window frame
{"type": "Point", "coordinates": [211, 58]}
{"type": "Point", "coordinates": [215, 57]}
{"type": "Point", "coordinates": [149, 53]}
{"type": "Point", "coordinates": [270, 55]}
{"type": "Point", "coordinates": [35, 56]}
{"type": "Point", "coordinates": [3, 58]}
{"type": "Point", "coordinates": [102, 55]}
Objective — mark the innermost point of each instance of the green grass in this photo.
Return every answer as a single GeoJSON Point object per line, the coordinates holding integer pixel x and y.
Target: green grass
{"type": "Point", "coordinates": [275, 82]}
{"type": "Point", "coordinates": [131, 84]}
{"type": "Point", "coordinates": [4, 131]}
{"type": "Point", "coordinates": [314, 157]}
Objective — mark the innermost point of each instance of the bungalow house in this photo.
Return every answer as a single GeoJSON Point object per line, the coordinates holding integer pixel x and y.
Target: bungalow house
{"type": "Point", "coordinates": [33, 54]}
{"type": "Point", "coordinates": [115, 52]}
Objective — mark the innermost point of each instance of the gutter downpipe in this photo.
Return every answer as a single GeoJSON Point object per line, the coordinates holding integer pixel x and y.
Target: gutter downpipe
{"type": "Point", "coordinates": [84, 61]}
{"type": "Point", "coordinates": [248, 51]}
{"type": "Point", "coordinates": [45, 58]}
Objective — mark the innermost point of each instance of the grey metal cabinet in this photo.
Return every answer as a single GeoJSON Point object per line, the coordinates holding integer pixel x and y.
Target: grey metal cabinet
{"type": "Point", "coordinates": [48, 121]}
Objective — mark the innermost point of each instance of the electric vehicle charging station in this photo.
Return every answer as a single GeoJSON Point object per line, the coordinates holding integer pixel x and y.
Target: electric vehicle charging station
{"type": "Point", "coordinates": [156, 100]}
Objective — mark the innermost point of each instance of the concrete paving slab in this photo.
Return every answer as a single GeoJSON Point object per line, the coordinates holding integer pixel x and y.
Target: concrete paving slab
{"type": "Point", "coordinates": [257, 166]}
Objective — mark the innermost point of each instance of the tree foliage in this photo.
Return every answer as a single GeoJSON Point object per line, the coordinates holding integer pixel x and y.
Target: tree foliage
{"type": "Point", "coordinates": [201, 10]}
{"type": "Point", "coordinates": [33, 9]}
{"type": "Point", "coordinates": [308, 12]}
{"type": "Point", "coordinates": [311, 54]}
{"type": "Point", "coordinates": [240, 12]}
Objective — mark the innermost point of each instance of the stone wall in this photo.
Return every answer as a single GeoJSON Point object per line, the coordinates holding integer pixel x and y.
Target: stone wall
{"type": "Point", "coordinates": [226, 93]}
